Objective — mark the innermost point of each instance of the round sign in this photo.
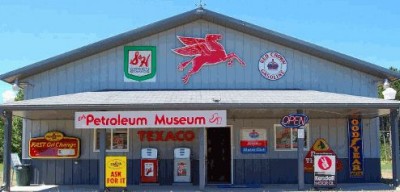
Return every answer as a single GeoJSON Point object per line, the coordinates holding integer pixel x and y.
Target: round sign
{"type": "Point", "coordinates": [325, 163]}
{"type": "Point", "coordinates": [272, 65]}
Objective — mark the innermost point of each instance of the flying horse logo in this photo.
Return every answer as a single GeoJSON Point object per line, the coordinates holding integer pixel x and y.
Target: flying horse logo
{"type": "Point", "coordinates": [206, 51]}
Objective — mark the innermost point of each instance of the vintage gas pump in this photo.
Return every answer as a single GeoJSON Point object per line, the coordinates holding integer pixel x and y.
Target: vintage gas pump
{"type": "Point", "coordinates": [182, 165]}
{"type": "Point", "coordinates": [149, 166]}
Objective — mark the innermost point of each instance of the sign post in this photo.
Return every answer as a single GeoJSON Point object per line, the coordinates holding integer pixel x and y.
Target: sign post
{"type": "Point", "coordinates": [324, 171]}
{"type": "Point", "coordinates": [300, 157]}
{"type": "Point", "coordinates": [297, 121]}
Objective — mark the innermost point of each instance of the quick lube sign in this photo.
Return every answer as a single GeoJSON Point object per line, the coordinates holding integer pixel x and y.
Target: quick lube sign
{"type": "Point", "coordinates": [149, 119]}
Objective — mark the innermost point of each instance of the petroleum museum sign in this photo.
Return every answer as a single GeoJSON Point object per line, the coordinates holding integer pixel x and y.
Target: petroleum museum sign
{"type": "Point", "coordinates": [149, 119]}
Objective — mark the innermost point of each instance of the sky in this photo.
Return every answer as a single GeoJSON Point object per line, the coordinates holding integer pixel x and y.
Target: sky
{"type": "Point", "coordinates": [31, 31]}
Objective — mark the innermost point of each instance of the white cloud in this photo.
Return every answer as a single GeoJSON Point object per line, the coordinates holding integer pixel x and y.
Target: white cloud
{"type": "Point", "coordinates": [8, 96]}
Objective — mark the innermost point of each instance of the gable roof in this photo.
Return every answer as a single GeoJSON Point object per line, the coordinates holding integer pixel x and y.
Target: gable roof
{"type": "Point", "coordinates": [188, 17]}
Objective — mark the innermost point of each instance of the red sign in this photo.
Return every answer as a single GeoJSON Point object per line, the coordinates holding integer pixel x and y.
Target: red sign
{"type": "Point", "coordinates": [166, 136]}
{"type": "Point", "coordinates": [320, 147]}
{"type": "Point", "coordinates": [324, 163]}
{"type": "Point", "coordinates": [205, 51]}
{"type": "Point", "coordinates": [53, 146]}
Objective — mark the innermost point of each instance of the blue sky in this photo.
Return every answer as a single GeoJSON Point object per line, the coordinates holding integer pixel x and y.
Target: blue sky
{"type": "Point", "coordinates": [31, 31]}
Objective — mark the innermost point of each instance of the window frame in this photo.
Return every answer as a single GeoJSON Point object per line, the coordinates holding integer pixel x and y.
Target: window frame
{"type": "Point", "coordinates": [111, 140]}
{"type": "Point", "coordinates": [307, 130]}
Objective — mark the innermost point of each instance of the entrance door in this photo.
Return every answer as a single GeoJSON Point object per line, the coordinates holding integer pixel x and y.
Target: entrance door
{"type": "Point", "coordinates": [218, 155]}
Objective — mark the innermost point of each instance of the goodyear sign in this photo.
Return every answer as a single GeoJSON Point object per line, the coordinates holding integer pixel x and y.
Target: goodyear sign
{"type": "Point", "coordinates": [356, 163]}
{"type": "Point", "coordinates": [116, 171]}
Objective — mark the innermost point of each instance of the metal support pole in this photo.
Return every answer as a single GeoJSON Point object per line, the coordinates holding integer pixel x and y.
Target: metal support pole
{"type": "Point", "coordinates": [300, 156]}
{"type": "Point", "coordinates": [102, 157]}
{"type": "Point", "coordinates": [394, 124]}
{"type": "Point", "coordinates": [7, 150]}
{"type": "Point", "coordinates": [202, 159]}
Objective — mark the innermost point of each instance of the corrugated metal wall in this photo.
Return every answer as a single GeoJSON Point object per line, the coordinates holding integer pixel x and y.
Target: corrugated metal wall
{"type": "Point", "coordinates": [104, 71]}
{"type": "Point", "coordinates": [333, 130]}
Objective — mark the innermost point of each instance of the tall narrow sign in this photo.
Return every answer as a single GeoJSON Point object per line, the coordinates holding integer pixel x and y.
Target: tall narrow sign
{"type": "Point", "coordinates": [356, 163]}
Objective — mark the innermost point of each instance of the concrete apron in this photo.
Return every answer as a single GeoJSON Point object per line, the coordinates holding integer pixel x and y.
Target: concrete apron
{"type": "Point", "coordinates": [242, 188]}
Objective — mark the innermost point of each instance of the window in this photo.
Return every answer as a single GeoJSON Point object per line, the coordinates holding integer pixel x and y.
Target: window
{"type": "Point", "coordinates": [116, 141]}
{"type": "Point", "coordinates": [286, 138]}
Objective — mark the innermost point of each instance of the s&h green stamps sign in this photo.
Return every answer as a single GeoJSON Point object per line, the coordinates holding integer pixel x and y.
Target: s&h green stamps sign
{"type": "Point", "coordinates": [140, 63]}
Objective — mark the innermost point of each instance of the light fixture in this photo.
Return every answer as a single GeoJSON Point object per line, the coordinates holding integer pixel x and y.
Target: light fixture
{"type": "Point", "coordinates": [389, 93]}
{"type": "Point", "coordinates": [17, 85]}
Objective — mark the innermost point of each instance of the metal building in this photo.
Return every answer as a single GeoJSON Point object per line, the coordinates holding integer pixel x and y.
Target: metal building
{"type": "Point", "coordinates": [196, 65]}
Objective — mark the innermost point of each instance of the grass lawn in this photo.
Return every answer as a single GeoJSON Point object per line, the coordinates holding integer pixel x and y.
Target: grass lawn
{"type": "Point", "coordinates": [386, 171]}
{"type": "Point", "coordinates": [14, 181]}
{"type": "Point", "coordinates": [386, 165]}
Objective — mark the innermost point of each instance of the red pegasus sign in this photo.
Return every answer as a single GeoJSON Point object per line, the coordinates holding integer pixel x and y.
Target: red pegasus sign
{"type": "Point", "coordinates": [206, 51]}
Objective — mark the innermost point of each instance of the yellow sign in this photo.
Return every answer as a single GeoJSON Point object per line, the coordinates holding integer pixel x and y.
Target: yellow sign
{"type": "Point", "coordinates": [116, 171]}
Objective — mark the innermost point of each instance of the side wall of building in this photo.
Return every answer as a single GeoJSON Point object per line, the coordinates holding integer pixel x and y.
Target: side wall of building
{"type": "Point", "coordinates": [105, 71]}
{"type": "Point", "coordinates": [272, 167]}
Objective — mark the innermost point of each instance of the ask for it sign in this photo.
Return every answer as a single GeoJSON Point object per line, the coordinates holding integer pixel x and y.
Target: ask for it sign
{"type": "Point", "coordinates": [116, 171]}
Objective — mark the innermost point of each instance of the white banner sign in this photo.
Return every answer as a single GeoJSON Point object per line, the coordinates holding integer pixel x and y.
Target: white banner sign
{"type": "Point", "coordinates": [149, 119]}
{"type": "Point", "coordinates": [325, 164]}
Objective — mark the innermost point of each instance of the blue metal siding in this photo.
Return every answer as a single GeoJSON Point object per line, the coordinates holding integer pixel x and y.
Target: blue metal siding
{"type": "Point", "coordinates": [104, 71]}
{"type": "Point", "coordinates": [284, 171]}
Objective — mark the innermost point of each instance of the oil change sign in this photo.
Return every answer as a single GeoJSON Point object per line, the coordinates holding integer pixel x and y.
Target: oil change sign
{"type": "Point", "coordinates": [116, 171]}
{"type": "Point", "coordinates": [324, 171]}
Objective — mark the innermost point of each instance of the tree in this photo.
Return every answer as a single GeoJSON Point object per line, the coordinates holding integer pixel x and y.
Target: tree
{"type": "Point", "coordinates": [384, 121]}
{"type": "Point", "coordinates": [16, 137]}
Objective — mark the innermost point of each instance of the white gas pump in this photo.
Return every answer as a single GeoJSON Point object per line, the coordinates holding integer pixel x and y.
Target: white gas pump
{"type": "Point", "coordinates": [182, 165]}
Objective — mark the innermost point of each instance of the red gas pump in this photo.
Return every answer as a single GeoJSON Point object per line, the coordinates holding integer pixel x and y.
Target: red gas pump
{"type": "Point", "coordinates": [149, 166]}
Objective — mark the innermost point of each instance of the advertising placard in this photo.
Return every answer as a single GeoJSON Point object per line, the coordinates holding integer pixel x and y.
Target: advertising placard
{"type": "Point", "coordinates": [253, 141]}
{"type": "Point", "coordinates": [356, 163]}
{"type": "Point", "coordinates": [294, 120]}
{"type": "Point", "coordinates": [54, 145]}
{"type": "Point", "coordinates": [140, 63]}
{"type": "Point", "coordinates": [160, 135]}
{"type": "Point", "coordinates": [116, 171]}
{"type": "Point", "coordinates": [320, 147]}
{"type": "Point", "coordinates": [205, 51]}
{"type": "Point", "coordinates": [324, 171]}
{"type": "Point", "coordinates": [150, 119]}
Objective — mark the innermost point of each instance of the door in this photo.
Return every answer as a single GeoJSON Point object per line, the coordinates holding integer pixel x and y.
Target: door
{"type": "Point", "coordinates": [219, 155]}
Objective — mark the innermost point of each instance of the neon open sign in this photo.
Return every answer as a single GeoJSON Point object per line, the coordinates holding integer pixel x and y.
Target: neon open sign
{"type": "Point", "coordinates": [294, 120]}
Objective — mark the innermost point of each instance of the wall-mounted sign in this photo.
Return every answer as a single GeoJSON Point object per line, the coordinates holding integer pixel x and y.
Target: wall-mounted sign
{"type": "Point", "coordinates": [205, 51]}
{"type": "Point", "coordinates": [149, 119]}
{"type": "Point", "coordinates": [180, 135]}
{"type": "Point", "coordinates": [356, 164]}
{"type": "Point", "coordinates": [272, 65]}
{"type": "Point", "coordinates": [253, 141]}
{"type": "Point", "coordinates": [320, 147]}
{"type": "Point", "coordinates": [54, 145]}
{"type": "Point", "coordinates": [294, 120]}
{"type": "Point", "coordinates": [116, 171]}
{"type": "Point", "coordinates": [325, 171]}
{"type": "Point", "coordinates": [140, 63]}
